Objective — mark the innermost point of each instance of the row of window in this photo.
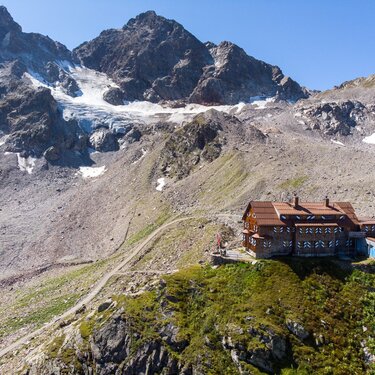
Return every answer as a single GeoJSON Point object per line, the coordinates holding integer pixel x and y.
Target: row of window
{"type": "Point", "coordinates": [287, 244]}
{"type": "Point", "coordinates": [369, 228]}
{"type": "Point", "coordinates": [319, 230]}
{"type": "Point", "coordinates": [284, 229]}
{"type": "Point", "coordinates": [302, 244]}
{"type": "Point", "coordinates": [318, 244]}
{"type": "Point", "coordinates": [312, 217]}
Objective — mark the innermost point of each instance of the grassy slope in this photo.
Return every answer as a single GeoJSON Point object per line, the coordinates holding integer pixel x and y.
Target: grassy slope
{"type": "Point", "coordinates": [209, 304]}
{"type": "Point", "coordinates": [29, 308]}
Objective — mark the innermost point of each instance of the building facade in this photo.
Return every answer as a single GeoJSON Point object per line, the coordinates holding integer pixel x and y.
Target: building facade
{"type": "Point", "coordinates": [304, 229]}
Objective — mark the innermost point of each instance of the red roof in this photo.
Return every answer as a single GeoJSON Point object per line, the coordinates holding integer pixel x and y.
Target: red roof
{"type": "Point", "coordinates": [367, 222]}
{"type": "Point", "coordinates": [269, 213]}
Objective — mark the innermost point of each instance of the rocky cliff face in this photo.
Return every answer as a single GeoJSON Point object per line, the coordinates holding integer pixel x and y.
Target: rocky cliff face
{"type": "Point", "coordinates": [31, 49]}
{"type": "Point", "coordinates": [152, 58]}
{"type": "Point", "coordinates": [202, 140]}
{"type": "Point", "coordinates": [33, 124]}
{"type": "Point", "coordinates": [156, 59]}
{"type": "Point", "coordinates": [236, 77]}
{"type": "Point", "coordinates": [336, 117]}
{"type": "Point", "coordinates": [29, 117]}
{"type": "Point", "coordinates": [239, 319]}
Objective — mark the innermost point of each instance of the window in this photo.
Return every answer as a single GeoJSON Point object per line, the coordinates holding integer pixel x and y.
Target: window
{"type": "Point", "coordinates": [244, 238]}
{"type": "Point", "coordinates": [373, 228]}
{"type": "Point", "coordinates": [342, 229]}
{"type": "Point", "coordinates": [287, 244]}
{"type": "Point", "coordinates": [327, 230]}
{"type": "Point", "coordinates": [300, 244]}
{"type": "Point", "coordinates": [342, 217]}
{"type": "Point", "coordinates": [337, 243]}
{"type": "Point", "coordinates": [331, 244]}
{"type": "Point", "coordinates": [283, 217]}
{"type": "Point", "coordinates": [366, 228]}
{"type": "Point", "coordinates": [318, 230]}
{"type": "Point", "coordinates": [306, 244]}
{"type": "Point", "coordinates": [336, 230]}
{"type": "Point", "coordinates": [349, 243]}
{"type": "Point", "coordinates": [319, 244]}
{"type": "Point", "coordinates": [267, 243]}
{"type": "Point", "coordinates": [301, 230]}
{"type": "Point", "coordinates": [298, 217]}
{"type": "Point", "coordinates": [311, 217]}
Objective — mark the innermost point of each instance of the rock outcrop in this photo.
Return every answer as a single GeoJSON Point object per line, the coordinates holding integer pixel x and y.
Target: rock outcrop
{"type": "Point", "coordinates": [32, 49]}
{"type": "Point", "coordinates": [236, 77]}
{"type": "Point", "coordinates": [104, 140]}
{"type": "Point", "coordinates": [33, 123]}
{"type": "Point", "coordinates": [201, 141]}
{"type": "Point", "coordinates": [114, 96]}
{"type": "Point", "coordinates": [332, 118]}
{"type": "Point", "coordinates": [182, 67]}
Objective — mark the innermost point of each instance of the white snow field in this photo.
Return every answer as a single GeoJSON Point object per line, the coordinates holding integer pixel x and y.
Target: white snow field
{"type": "Point", "coordinates": [370, 139]}
{"type": "Point", "coordinates": [161, 184]}
{"type": "Point", "coordinates": [91, 110]}
{"type": "Point", "coordinates": [337, 142]}
{"type": "Point", "coordinates": [92, 172]}
{"type": "Point", "coordinates": [26, 164]}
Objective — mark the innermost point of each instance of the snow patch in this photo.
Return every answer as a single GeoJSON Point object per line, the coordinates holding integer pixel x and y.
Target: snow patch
{"type": "Point", "coordinates": [260, 101]}
{"type": "Point", "coordinates": [161, 184]}
{"type": "Point", "coordinates": [337, 142]}
{"type": "Point", "coordinates": [91, 110]}
{"type": "Point", "coordinates": [26, 164]}
{"type": "Point", "coordinates": [370, 139]}
{"type": "Point", "coordinates": [3, 139]}
{"type": "Point", "coordinates": [92, 172]}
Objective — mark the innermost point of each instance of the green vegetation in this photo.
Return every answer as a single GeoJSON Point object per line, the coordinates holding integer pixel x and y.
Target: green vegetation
{"type": "Point", "coordinates": [293, 183]}
{"type": "Point", "coordinates": [226, 180]}
{"type": "Point", "coordinates": [183, 244]}
{"type": "Point", "coordinates": [33, 306]}
{"type": "Point", "coordinates": [147, 230]}
{"type": "Point", "coordinates": [329, 302]}
{"type": "Point", "coordinates": [55, 346]}
{"type": "Point", "coordinates": [249, 306]}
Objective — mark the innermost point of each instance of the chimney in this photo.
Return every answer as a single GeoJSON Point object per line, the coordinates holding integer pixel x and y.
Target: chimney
{"type": "Point", "coordinates": [326, 202]}
{"type": "Point", "coordinates": [295, 201]}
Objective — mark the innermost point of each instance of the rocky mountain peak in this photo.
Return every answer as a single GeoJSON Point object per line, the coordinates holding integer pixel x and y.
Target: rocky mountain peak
{"type": "Point", "coordinates": [7, 23]}
{"type": "Point", "coordinates": [150, 17]}
{"type": "Point", "coordinates": [32, 50]}
{"type": "Point", "coordinates": [177, 58]}
{"type": "Point", "coordinates": [182, 68]}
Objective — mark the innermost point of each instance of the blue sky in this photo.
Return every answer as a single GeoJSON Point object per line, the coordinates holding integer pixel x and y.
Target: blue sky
{"type": "Point", "coordinates": [319, 43]}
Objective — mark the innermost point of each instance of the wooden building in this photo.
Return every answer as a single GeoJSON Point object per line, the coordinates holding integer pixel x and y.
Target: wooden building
{"type": "Point", "coordinates": [304, 229]}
